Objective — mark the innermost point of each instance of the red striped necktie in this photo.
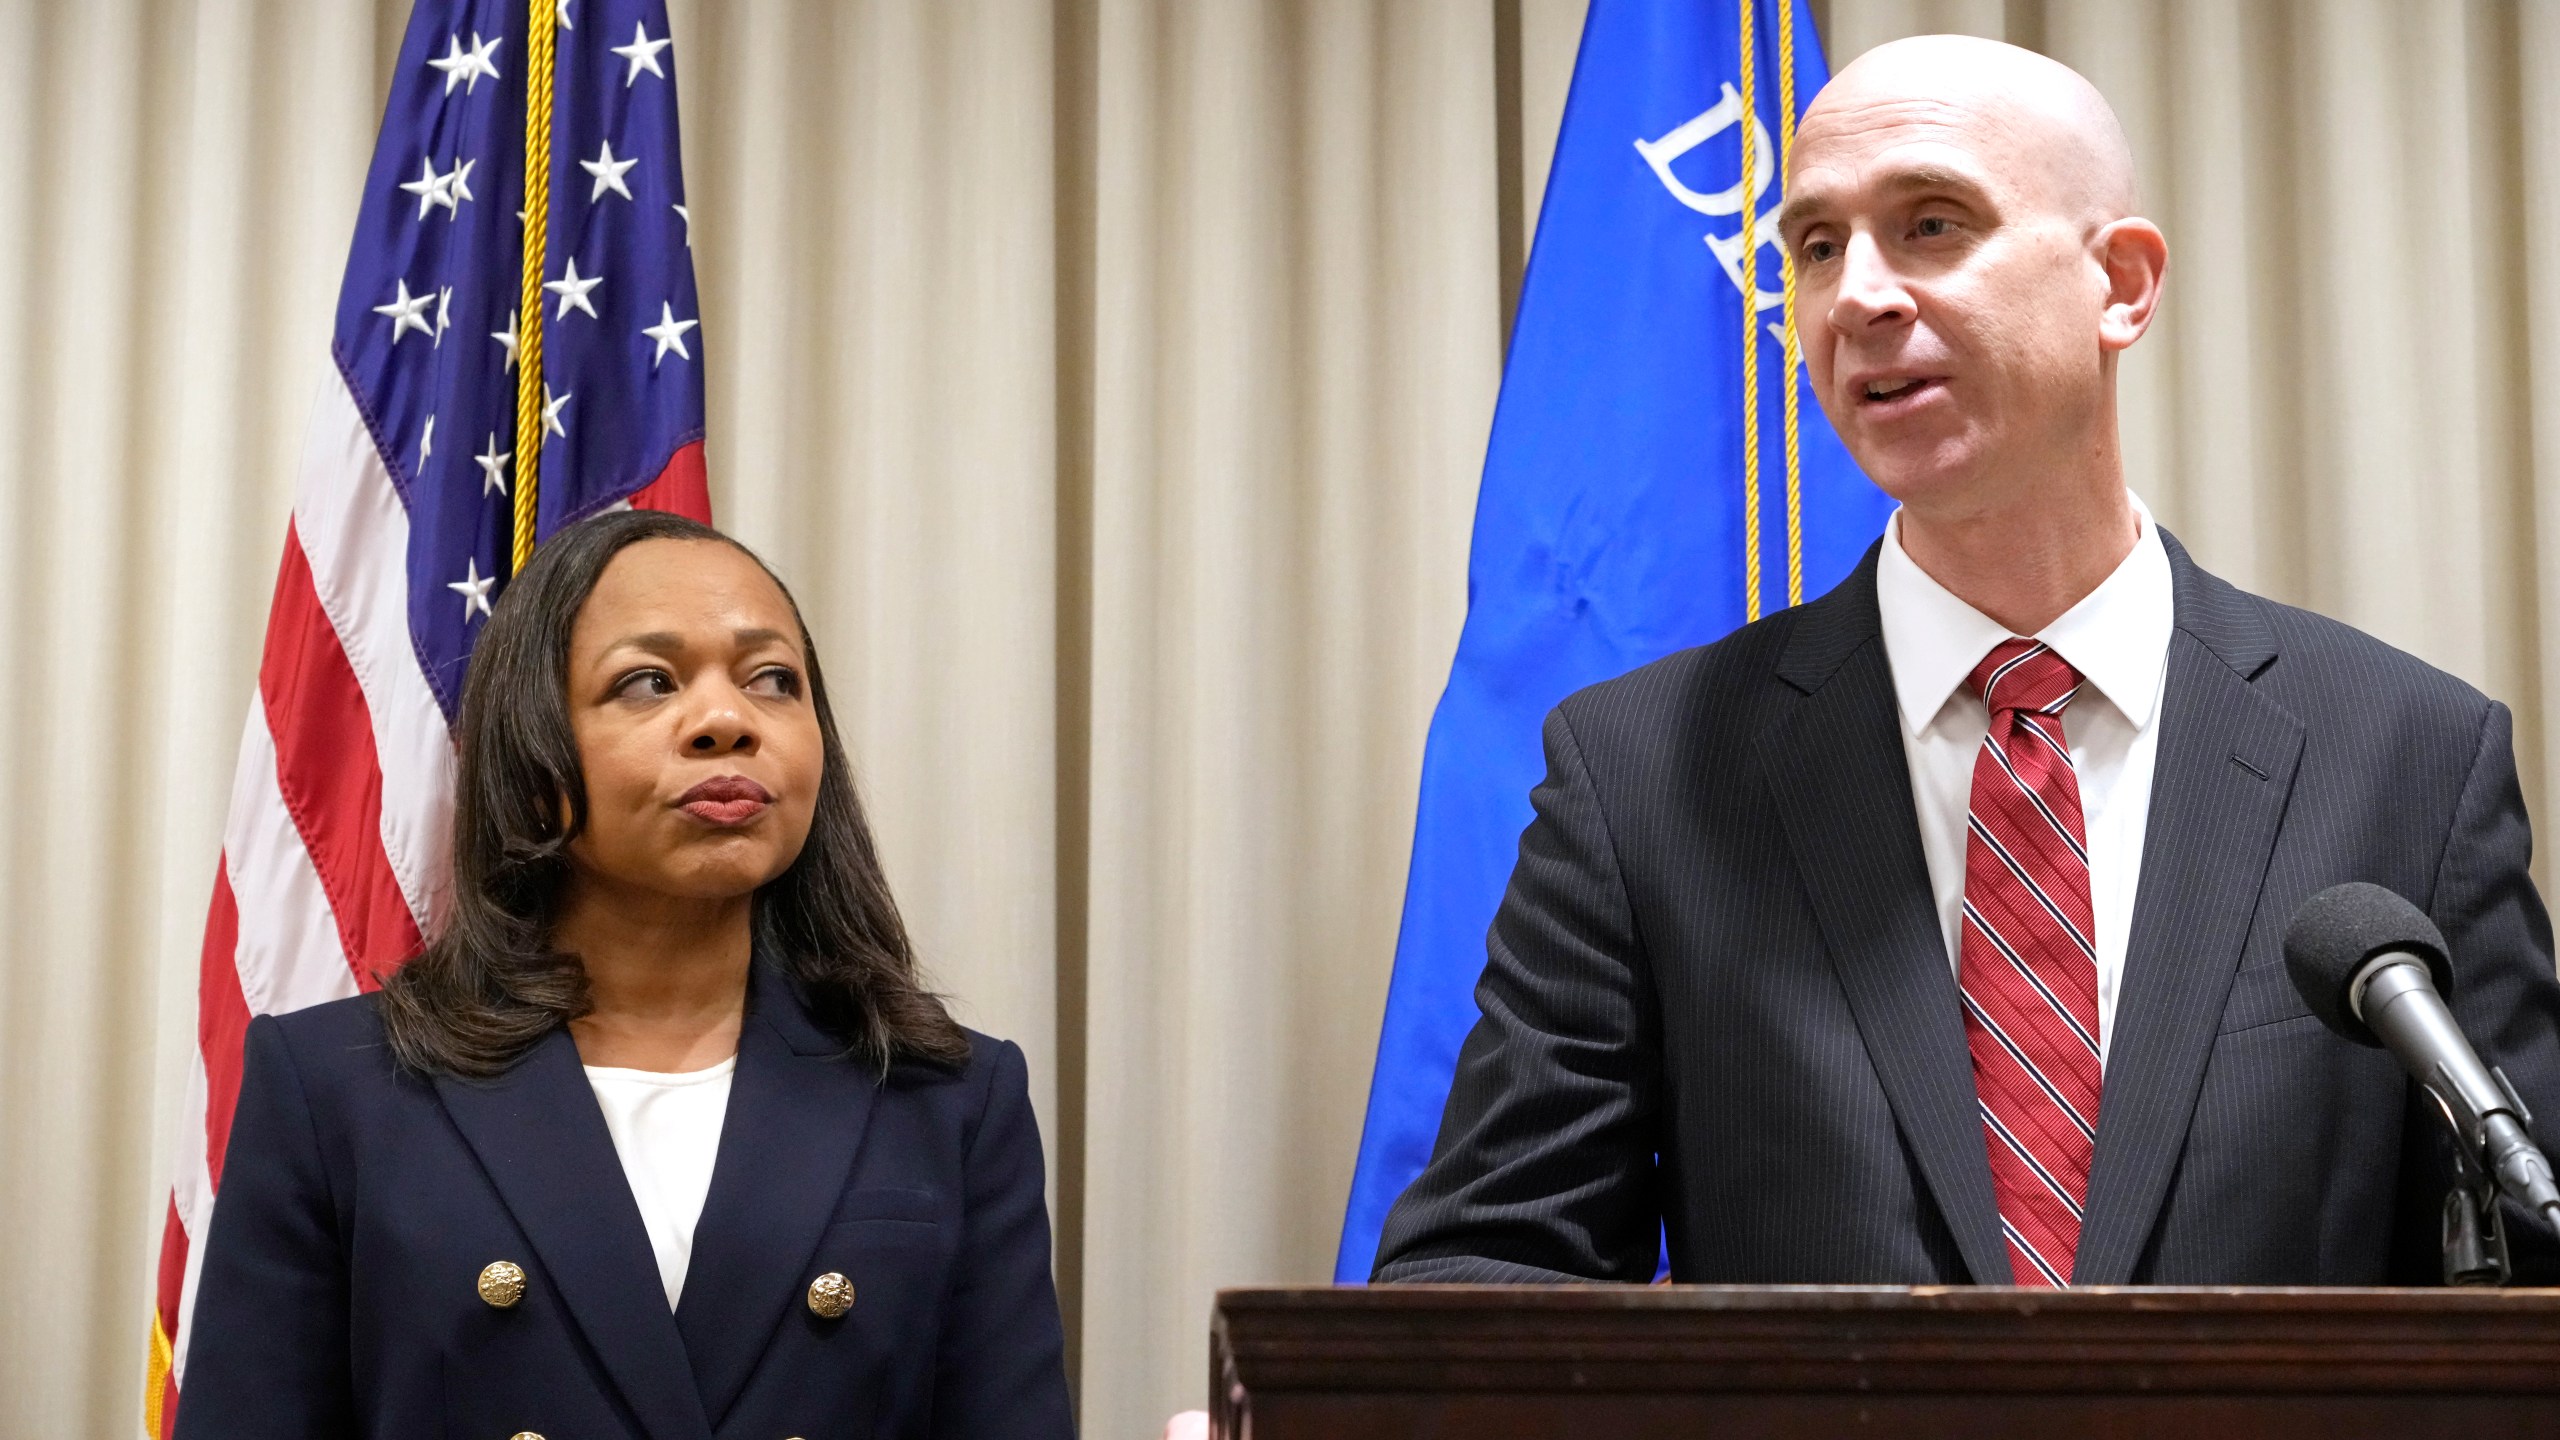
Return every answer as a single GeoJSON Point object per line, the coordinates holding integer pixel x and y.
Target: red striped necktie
{"type": "Point", "coordinates": [2029, 961]}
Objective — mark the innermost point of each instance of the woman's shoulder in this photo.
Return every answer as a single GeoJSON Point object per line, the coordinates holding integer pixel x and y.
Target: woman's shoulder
{"type": "Point", "coordinates": [995, 1086]}
{"type": "Point", "coordinates": [993, 1065]}
{"type": "Point", "coordinates": [354, 1017]}
{"type": "Point", "coordinates": [991, 1059]}
{"type": "Point", "coordinates": [993, 1082]}
{"type": "Point", "coordinates": [335, 1037]}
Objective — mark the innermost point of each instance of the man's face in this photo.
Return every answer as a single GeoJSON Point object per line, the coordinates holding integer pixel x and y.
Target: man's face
{"type": "Point", "coordinates": [1946, 294]}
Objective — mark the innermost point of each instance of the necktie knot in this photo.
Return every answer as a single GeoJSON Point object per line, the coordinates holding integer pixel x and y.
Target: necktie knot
{"type": "Point", "coordinates": [2024, 675]}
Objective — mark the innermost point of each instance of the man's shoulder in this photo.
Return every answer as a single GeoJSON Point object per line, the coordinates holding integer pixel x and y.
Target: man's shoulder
{"type": "Point", "coordinates": [1725, 678]}
{"type": "Point", "coordinates": [2326, 670]}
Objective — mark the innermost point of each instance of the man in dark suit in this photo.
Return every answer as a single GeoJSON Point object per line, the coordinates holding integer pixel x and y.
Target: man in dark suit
{"type": "Point", "coordinates": [1932, 932]}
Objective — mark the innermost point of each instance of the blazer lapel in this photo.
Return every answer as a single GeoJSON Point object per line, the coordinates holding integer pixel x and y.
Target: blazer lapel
{"type": "Point", "coordinates": [797, 1112]}
{"type": "Point", "coordinates": [1843, 790]}
{"type": "Point", "coordinates": [543, 1142]}
{"type": "Point", "coordinates": [2218, 792]}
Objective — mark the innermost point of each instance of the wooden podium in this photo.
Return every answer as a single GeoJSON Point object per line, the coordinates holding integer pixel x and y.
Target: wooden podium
{"type": "Point", "coordinates": [1623, 1362]}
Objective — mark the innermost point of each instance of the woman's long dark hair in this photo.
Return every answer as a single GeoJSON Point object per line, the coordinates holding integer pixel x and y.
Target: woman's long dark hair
{"type": "Point", "coordinates": [490, 985]}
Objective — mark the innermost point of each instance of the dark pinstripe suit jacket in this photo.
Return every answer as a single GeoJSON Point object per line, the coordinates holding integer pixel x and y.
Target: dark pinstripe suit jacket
{"type": "Point", "coordinates": [1717, 997]}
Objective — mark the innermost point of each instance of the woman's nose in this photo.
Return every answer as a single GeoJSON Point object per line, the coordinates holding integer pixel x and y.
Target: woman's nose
{"type": "Point", "coordinates": [724, 731]}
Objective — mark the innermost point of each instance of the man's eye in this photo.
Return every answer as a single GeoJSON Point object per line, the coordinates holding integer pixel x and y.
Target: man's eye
{"type": "Point", "coordinates": [1932, 226]}
{"type": "Point", "coordinates": [1817, 251]}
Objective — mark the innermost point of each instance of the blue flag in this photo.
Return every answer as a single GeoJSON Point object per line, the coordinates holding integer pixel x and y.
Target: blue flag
{"type": "Point", "coordinates": [1611, 527]}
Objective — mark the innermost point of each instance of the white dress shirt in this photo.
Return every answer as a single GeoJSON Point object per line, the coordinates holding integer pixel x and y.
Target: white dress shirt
{"type": "Point", "coordinates": [666, 1129]}
{"type": "Point", "coordinates": [2117, 637]}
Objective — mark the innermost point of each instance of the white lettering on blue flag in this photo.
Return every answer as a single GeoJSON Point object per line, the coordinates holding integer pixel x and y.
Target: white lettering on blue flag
{"type": "Point", "coordinates": [1704, 126]}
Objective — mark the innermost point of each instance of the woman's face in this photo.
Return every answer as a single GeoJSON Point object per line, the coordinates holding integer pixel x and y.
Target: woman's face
{"type": "Point", "coordinates": [689, 698]}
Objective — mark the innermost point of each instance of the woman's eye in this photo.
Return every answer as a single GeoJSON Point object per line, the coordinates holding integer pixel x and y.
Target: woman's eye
{"type": "Point", "coordinates": [776, 680]}
{"type": "Point", "coordinates": [643, 685]}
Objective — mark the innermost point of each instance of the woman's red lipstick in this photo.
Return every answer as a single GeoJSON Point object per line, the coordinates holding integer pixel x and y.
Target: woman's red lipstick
{"type": "Point", "coordinates": [728, 800]}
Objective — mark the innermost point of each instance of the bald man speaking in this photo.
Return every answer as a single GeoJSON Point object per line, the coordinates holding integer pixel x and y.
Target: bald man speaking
{"type": "Point", "coordinates": [1931, 932]}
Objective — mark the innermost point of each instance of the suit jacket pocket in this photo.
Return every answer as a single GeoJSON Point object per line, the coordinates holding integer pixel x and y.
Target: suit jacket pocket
{"type": "Point", "coordinates": [2262, 995]}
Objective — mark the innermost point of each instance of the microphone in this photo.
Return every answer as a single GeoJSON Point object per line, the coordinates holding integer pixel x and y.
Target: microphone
{"type": "Point", "coordinates": [2374, 968]}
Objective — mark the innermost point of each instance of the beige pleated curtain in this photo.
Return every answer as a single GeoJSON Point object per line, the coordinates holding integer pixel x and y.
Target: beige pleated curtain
{"type": "Point", "coordinates": [1111, 380]}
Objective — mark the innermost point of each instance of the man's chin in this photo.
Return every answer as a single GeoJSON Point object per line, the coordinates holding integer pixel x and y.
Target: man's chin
{"type": "Point", "coordinates": [1921, 477]}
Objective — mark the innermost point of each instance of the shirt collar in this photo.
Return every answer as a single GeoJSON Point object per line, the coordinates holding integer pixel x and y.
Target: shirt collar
{"type": "Point", "coordinates": [2117, 637]}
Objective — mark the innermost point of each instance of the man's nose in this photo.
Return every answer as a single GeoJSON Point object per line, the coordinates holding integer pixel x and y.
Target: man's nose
{"type": "Point", "coordinates": [1870, 292]}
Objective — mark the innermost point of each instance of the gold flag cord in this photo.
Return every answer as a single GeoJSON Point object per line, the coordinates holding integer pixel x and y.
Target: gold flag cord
{"type": "Point", "coordinates": [540, 16]}
{"type": "Point", "coordinates": [1787, 268]}
{"type": "Point", "coordinates": [1750, 332]}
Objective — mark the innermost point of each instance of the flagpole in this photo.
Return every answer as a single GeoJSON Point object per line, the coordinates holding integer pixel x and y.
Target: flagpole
{"type": "Point", "coordinates": [1787, 269]}
{"type": "Point", "coordinates": [1750, 331]}
{"type": "Point", "coordinates": [540, 18]}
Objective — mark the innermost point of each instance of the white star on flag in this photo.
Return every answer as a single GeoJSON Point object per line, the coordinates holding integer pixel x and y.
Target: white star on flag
{"type": "Point", "coordinates": [507, 337]}
{"type": "Point", "coordinates": [474, 589]}
{"type": "Point", "coordinates": [572, 291]}
{"type": "Point", "coordinates": [444, 313]}
{"type": "Point", "coordinates": [608, 172]}
{"type": "Point", "coordinates": [642, 52]}
{"type": "Point", "coordinates": [493, 466]}
{"type": "Point", "coordinates": [408, 312]}
{"type": "Point", "coordinates": [429, 187]}
{"type": "Point", "coordinates": [669, 333]}
{"type": "Point", "coordinates": [466, 70]}
{"type": "Point", "coordinates": [564, 16]}
{"type": "Point", "coordinates": [426, 444]}
{"type": "Point", "coordinates": [448, 190]}
{"type": "Point", "coordinates": [687, 217]}
{"type": "Point", "coordinates": [551, 413]}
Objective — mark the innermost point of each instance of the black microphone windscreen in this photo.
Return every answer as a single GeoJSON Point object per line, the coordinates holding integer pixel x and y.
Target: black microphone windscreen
{"type": "Point", "coordinates": [2338, 930]}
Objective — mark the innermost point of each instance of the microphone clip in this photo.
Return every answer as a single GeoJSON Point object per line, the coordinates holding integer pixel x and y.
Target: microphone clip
{"type": "Point", "coordinates": [2475, 1233]}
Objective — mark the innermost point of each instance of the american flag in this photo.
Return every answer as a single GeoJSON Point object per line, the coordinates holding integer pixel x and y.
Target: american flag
{"type": "Point", "coordinates": [334, 858]}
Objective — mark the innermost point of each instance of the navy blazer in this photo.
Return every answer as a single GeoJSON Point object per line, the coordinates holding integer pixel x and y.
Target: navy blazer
{"type": "Point", "coordinates": [359, 1203]}
{"type": "Point", "coordinates": [1718, 1001]}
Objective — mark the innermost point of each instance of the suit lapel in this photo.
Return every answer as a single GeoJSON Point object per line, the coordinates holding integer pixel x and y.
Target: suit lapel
{"type": "Point", "coordinates": [1843, 789]}
{"type": "Point", "coordinates": [797, 1112]}
{"type": "Point", "coordinates": [538, 1134]}
{"type": "Point", "coordinates": [2218, 792]}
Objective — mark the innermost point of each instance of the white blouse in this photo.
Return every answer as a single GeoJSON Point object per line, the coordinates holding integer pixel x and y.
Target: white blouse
{"type": "Point", "coordinates": [666, 1128]}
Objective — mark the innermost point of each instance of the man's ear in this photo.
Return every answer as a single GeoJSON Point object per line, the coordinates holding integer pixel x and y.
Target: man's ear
{"type": "Point", "coordinates": [2135, 256]}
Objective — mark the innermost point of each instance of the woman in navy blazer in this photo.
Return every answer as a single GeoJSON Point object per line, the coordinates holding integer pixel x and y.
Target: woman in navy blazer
{"type": "Point", "coordinates": [425, 1225]}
